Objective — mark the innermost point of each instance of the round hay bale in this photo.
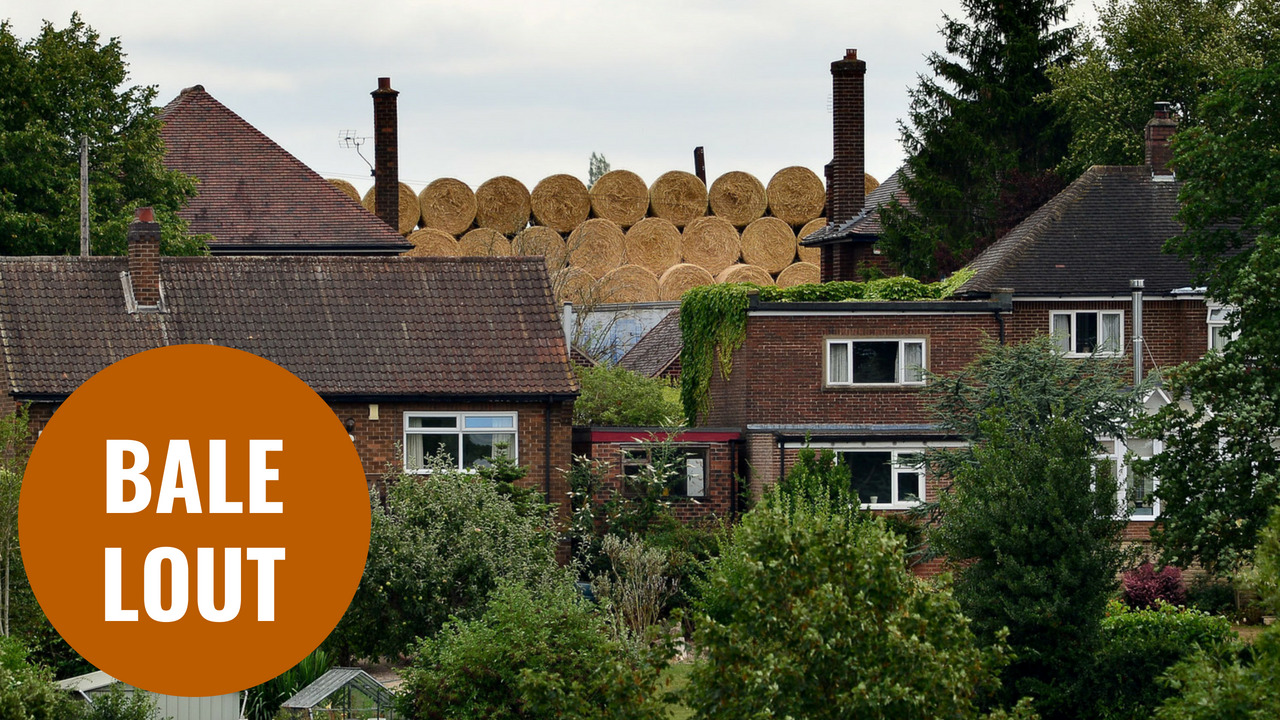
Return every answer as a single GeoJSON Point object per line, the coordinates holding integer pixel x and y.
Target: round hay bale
{"type": "Point", "coordinates": [502, 203]}
{"type": "Point", "coordinates": [596, 246]}
{"type": "Point", "coordinates": [738, 197]}
{"type": "Point", "coordinates": [434, 242]}
{"type": "Point", "coordinates": [745, 274]}
{"type": "Point", "coordinates": [347, 188]}
{"type": "Point", "coordinates": [653, 244]}
{"type": "Point", "coordinates": [869, 183]}
{"type": "Point", "coordinates": [449, 205]}
{"type": "Point", "coordinates": [801, 273]}
{"type": "Point", "coordinates": [541, 240]}
{"type": "Point", "coordinates": [410, 213]}
{"type": "Point", "coordinates": [711, 242]}
{"type": "Point", "coordinates": [620, 196]}
{"type": "Point", "coordinates": [810, 254]}
{"type": "Point", "coordinates": [769, 243]}
{"type": "Point", "coordinates": [679, 197]}
{"type": "Point", "coordinates": [628, 284]}
{"type": "Point", "coordinates": [484, 242]}
{"type": "Point", "coordinates": [796, 195]}
{"type": "Point", "coordinates": [560, 202]}
{"type": "Point", "coordinates": [679, 278]}
{"type": "Point", "coordinates": [574, 285]}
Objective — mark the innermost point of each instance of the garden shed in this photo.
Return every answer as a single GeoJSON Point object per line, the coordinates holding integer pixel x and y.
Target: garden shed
{"type": "Point", "coordinates": [342, 694]}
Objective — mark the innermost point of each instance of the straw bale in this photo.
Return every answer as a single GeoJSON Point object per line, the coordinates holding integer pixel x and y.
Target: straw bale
{"type": "Point", "coordinates": [796, 195]}
{"type": "Point", "coordinates": [502, 203]}
{"type": "Point", "coordinates": [541, 240]}
{"type": "Point", "coordinates": [620, 196]}
{"type": "Point", "coordinates": [711, 242]}
{"type": "Point", "coordinates": [484, 242]}
{"type": "Point", "coordinates": [410, 213]}
{"type": "Point", "coordinates": [433, 241]}
{"type": "Point", "coordinates": [810, 254]}
{"type": "Point", "coordinates": [801, 273]}
{"type": "Point", "coordinates": [560, 202]}
{"type": "Point", "coordinates": [678, 196]}
{"type": "Point", "coordinates": [654, 244]}
{"type": "Point", "coordinates": [869, 183]}
{"type": "Point", "coordinates": [745, 274]}
{"type": "Point", "coordinates": [679, 278]}
{"type": "Point", "coordinates": [769, 243]}
{"type": "Point", "coordinates": [347, 188]}
{"type": "Point", "coordinates": [574, 285]}
{"type": "Point", "coordinates": [449, 205]}
{"type": "Point", "coordinates": [738, 197]}
{"type": "Point", "coordinates": [596, 246]}
{"type": "Point", "coordinates": [628, 284]}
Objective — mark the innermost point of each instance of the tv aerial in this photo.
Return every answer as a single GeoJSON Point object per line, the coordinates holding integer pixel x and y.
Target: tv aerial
{"type": "Point", "coordinates": [349, 139]}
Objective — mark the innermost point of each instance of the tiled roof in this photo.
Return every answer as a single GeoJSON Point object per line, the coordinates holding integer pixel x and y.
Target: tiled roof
{"type": "Point", "coordinates": [256, 198]}
{"type": "Point", "coordinates": [659, 347]}
{"type": "Point", "coordinates": [866, 225]}
{"type": "Point", "coordinates": [348, 326]}
{"type": "Point", "coordinates": [1107, 227]}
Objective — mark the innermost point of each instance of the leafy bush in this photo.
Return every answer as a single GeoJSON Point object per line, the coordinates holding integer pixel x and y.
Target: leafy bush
{"type": "Point", "coordinates": [119, 704]}
{"type": "Point", "coordinates": [532, 654]}
{"type": "Point", "coordinates": [27, 692]}
{"type": "Point", "coordinates": [1138, 646]}
{"type": "Point", "coordinates": [615, 396]}
{"type": "Point", "coordinates": [1144, 587]}
{"type": "Point", "coordinates": [636, 587]}
{"type": "Point", "coordinates": [1212, 595]}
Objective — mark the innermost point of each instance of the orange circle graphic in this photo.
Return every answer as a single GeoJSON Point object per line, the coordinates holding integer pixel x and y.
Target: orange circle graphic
{"type": "Point", "coordinates": [194, 520]}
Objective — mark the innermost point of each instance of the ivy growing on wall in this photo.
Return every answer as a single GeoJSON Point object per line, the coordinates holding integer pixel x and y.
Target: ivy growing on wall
{"type": "Point", "coordinates": [713, 322]}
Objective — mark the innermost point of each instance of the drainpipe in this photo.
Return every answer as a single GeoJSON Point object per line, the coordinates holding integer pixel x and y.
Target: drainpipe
{"type": "Point", "coordinates": [1004, 296]}
{"type": "Point", "coordinates": [546, 456]}
{"type": "Point", "coordinates": [1136, 286]}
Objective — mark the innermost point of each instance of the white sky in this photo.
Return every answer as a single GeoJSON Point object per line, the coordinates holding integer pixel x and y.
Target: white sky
{"type": "Point", "coordinates": [531, 88]}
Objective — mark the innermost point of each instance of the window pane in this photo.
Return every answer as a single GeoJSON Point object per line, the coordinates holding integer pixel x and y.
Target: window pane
{"type": "Point", "coordinates": [419, 421]}
{"type": "Point", "coordinates": [480, 447]}
{"type": "Point", "coordinates": [913, 362]}
{"type": "Point", "coordinates": [1217, 315]}
{"type": "Point", "coordinates": [1086, 332]}
{"type": "Point", "coordinates": [1062, 331]}
{"type": "Point", "coordinates": [1139, 492]}
{"type": "Point", "coordinates": [875, 362]}
{"type": "Point", "coordinates": [1217, 338]}
{"type": "Point", "coordinates": [871, 474]}
{"type": "Point", "coordinates": [484, 421]}
{"type": "Point", "coordinates": [418, 447]}
{"type": "Point", "coordinates": [838, 363]}
{"type": "Point", "coordinates": [908, 486]}
{"type": "Point", "coordinates": [1141, 447]}
{"type": "Point", "coordinates": [693, 483]}
{"type": "Point", "coordinates": [1109, 340]}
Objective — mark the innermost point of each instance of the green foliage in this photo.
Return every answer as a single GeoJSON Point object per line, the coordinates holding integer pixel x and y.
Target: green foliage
{"type": "Point", "coordinates": [1033, 525]}
{"type": "Point", "coordinates": [532, 655]}
{"type": "Point", "coordinates": [615, 396]}
{"type": "Point", "coordinates": [55, 88]}
{"type": "Point", "coordinates": [816, 478]}
{"type": "Point", "coordinates": [975, 137]}
{"type": "Point", "coordinates": [597, 167]}
{"type": "Point", "coordinates": [440, 543]}
{"type": "Point", "coordinates": [1268, 562]}
{"type": "Point", "coordinates": [15, 441]}
{"type": "Point", "coordinates": [119, 704]}
{"type": "Point", "coordinates": [807, 615]}
{"type": "Point", "coordinates": [1125, 65]}
{"type": "Point", "coordinates": [264, 700]}
{"type": "Point", "coordinates": [27, 692]}
{"type": "Point", "coordinates": [1138, 646]}
{"type": "Point", "coordinates": [636, 586]}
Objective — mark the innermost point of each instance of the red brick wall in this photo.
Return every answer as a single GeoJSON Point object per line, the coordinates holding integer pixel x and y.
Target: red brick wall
{"type": "Point", "coordinates": [720, 479]}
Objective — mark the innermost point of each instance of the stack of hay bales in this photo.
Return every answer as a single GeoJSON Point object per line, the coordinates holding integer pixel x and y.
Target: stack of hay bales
{"type": "Point", "coordinates": [623, 241]}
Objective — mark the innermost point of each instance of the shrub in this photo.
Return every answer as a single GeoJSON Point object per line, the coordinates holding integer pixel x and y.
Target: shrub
{"type": "Point", "coordinates": [615, 396]}
{"type": "Point", "coordinates": [1140, 645]}
{"type": "Point", "coordinates": [119, 704]}
{"type": "Point", "coordinates": [264, 701]}
{"type": "Point", "coordinates": [27, 692]}
{"type": "Point", "coordinates": [532, 654]}
{"type": "Point", "coordinates": [635, 587]}
{"type": "Point", "coordinates": [1212, 595]}
{"type": "Point", "coordinates": [1144, 587]}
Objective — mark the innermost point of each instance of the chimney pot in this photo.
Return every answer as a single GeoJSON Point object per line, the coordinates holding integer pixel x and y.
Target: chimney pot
{"type": "Point", "coordinates": [384, 83]}
{"type": "Point", "coordinates": [851, 54]}
{"type": "Point", "coordinates": [145, 214]}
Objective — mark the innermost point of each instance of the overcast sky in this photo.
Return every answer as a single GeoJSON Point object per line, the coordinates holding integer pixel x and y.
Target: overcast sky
{"type": "Point", "coordinates": [530, 88]}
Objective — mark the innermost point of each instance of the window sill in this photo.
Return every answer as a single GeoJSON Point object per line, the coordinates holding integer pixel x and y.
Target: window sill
{"type": "Point", "coordinates": [890, 506]}
{"type": "Point", "coordinates": [871, 386]}
{"type": "Point", "coordinates": [1078, 356]}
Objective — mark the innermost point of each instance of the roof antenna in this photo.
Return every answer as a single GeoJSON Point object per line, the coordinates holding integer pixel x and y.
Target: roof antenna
{"type": "Point", "coordinates": [349, 139]}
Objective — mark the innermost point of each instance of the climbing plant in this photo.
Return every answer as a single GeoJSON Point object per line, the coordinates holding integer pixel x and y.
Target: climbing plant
{"type": "Point", "coordinates": [713, 322]}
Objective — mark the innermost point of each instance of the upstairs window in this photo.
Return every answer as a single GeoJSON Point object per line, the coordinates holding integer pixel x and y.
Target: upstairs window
{"type": "Point", "coordinates": [1217, 321]}
{"type": "Point", "coordinates": [1088, 332]}
{"type": "Point", "coordinates": [468, 439]}
{"type": "Point", "coordinates": [875, 362]}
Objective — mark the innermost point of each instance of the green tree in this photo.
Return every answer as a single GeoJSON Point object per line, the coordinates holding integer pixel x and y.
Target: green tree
{"type": "Point", "coordinates": [54, 89]}
{"type": "Point", "coordinates": [976, 140]}
{"type": "Point", "coordinates": [615, 396]}
{"type": "Point", "coordinates": [596, 169]}
{"type": "Point", "coordinates": [27, 692]}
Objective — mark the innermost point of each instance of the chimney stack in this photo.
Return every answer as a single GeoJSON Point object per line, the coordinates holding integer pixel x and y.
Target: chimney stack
{"type": "Point", "coordinates": [386, 152]}
{"type": "Point", "coordinates": [847, 178]}
{"type": "Point", "coordinates": [1158, 132]}
{"type": "Point", "coordinates": [144, 258]}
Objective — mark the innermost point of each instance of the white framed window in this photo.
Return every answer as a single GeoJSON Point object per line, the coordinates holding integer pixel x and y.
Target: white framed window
{"type": "Point", "coordinates": [885, 478]}
{"type": "Point", "coordinates": [1216, 319]}
{"type": "Point", "coordinates": [470, 439]}
{"type": "Point", "coordinates": [875, 362]}
{"type": "Point", "coordinates": [689, 474]}
{"type": "Point", "coordinates": [1136, 490]}
{"type": "Point", "coordinates": [1088, 332]}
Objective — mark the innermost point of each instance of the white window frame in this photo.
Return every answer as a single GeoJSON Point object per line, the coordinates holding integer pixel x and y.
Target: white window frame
{"type": "Point", "coordinates": [1216, 325]}
{"type": "Point", "coordinates": [1071, 338]}
{"type": "Point", "coordinates": [460, 429]}
{"type": "Point", "coordinates": [1119, 458]}
{"type": "Point", "coordinates": [897, 467]}
{"type": "Point", "coordinates": [900, 371]}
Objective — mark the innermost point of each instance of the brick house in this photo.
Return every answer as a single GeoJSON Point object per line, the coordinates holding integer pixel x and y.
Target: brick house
{"type": "Point", "coordinates": [464, 355]}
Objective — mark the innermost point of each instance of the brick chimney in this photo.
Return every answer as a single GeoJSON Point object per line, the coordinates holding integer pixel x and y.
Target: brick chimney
{"type": "Point", "coordinates": [1159, 130]}
{"type": "Point", "coordinates": [848, 165]}
{"type": "Point", "coordinates": [386, 152]}
{"type": "Point", "coordinates": [144, 258]}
